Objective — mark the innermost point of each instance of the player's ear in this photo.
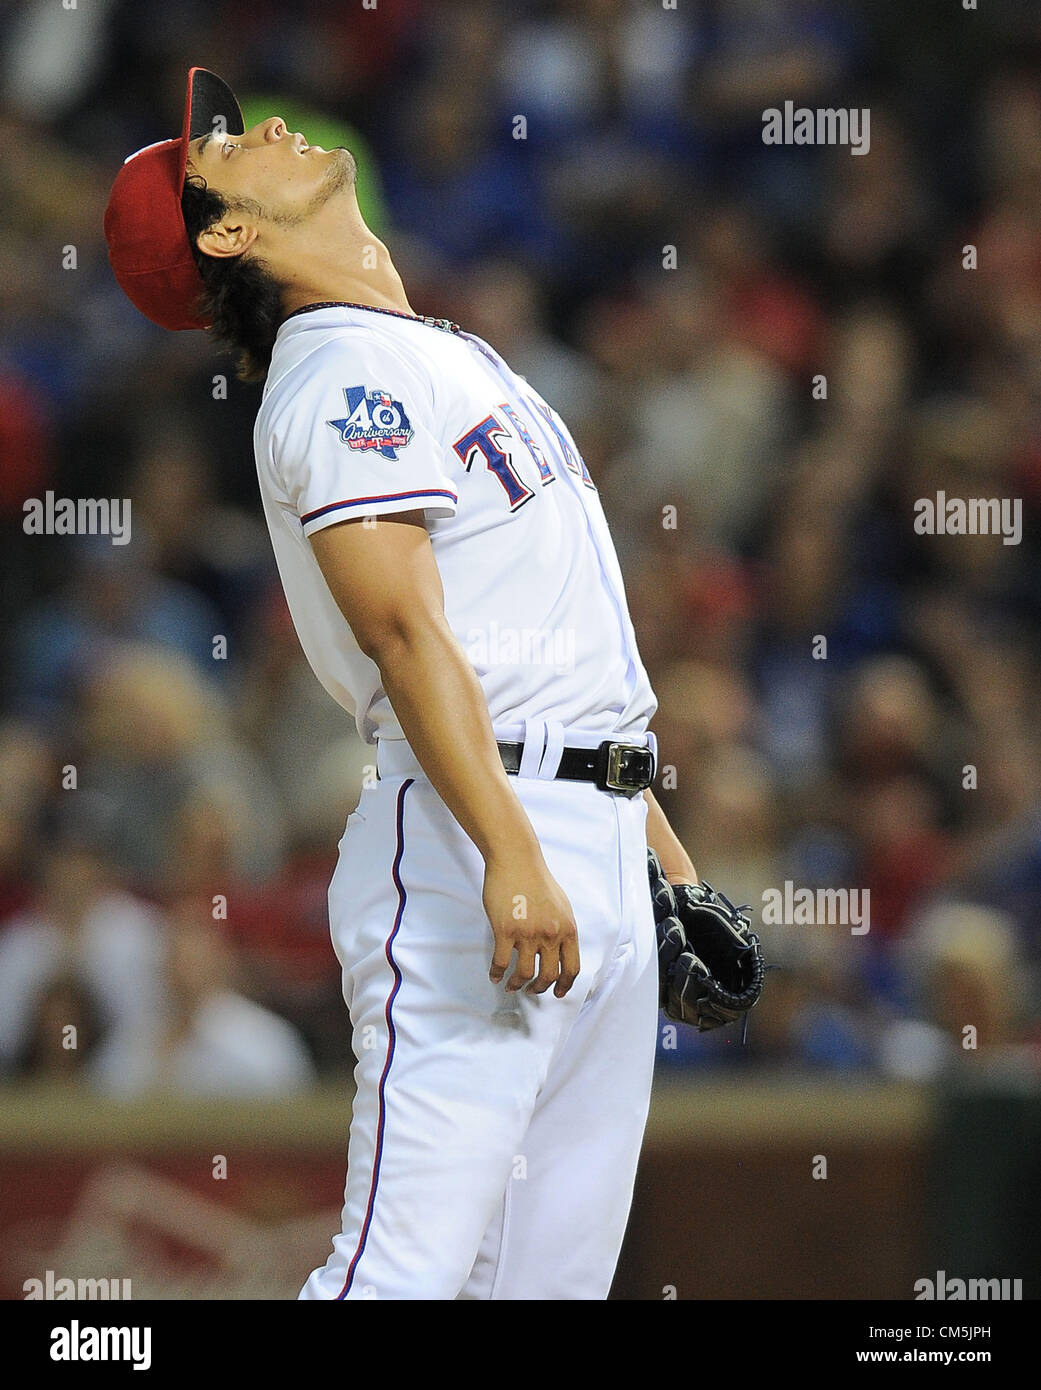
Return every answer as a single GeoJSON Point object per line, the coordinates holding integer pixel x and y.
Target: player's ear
{"type": "Point", "coordinates": [229, 238]}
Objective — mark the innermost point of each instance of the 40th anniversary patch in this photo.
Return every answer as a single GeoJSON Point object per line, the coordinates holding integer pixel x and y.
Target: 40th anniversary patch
{"type": "Point", "coordinates": [373, 421]}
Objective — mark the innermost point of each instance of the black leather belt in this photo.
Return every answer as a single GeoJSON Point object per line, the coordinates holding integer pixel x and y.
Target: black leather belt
{"type": "Point", "coordinates": [627, 768]}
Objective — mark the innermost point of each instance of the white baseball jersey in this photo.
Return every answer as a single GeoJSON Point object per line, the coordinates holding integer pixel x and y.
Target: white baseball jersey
{"type": "Point", "coordinates": [366, 413]}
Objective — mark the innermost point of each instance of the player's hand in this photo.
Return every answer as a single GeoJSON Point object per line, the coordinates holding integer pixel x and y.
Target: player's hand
{"type": "Point", "coordinates": [530, 914]}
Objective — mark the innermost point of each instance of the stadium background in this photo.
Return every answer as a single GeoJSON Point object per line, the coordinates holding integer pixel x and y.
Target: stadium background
{"type": "Point", "coordinates": [687, 387]}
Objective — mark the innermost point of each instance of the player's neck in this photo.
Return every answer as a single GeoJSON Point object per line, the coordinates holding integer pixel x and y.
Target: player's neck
{"type": "Point", "coordinates": [344, 262]}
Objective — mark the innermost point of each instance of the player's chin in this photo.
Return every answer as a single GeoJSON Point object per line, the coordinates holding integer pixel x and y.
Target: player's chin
{"type": "Point", "coordinates": [341, 171]}
{"type": "Point", "coordinates": [348, 161]}
{"type": "Point", "coordinates": [341, 157]}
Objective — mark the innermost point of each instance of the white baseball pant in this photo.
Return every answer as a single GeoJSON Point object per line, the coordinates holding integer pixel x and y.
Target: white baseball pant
{"type": "Point", "coordinates": [495, 1136]}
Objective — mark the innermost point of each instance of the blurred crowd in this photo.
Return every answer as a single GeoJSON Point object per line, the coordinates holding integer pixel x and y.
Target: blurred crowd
{"type": "Point", "coordinates": [173, 780]}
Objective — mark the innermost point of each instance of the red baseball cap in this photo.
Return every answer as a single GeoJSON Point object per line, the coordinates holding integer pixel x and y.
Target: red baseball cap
{"type": "Point", "coordinates": [147, 242]}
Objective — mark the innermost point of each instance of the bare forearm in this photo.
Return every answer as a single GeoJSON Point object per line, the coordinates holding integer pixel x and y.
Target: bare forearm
{"type": "Point", "coordinates": [662, 839]}
{"type": "Point", "coordinates": [440, 705]}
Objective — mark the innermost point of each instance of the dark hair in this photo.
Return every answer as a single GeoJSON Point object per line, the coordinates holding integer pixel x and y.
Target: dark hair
{"type": "Point", "coordinates": [241, 297]}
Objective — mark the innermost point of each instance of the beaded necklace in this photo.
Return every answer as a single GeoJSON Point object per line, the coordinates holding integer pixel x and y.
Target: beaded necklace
{"type": "Point", "coordinates": [445, 324]}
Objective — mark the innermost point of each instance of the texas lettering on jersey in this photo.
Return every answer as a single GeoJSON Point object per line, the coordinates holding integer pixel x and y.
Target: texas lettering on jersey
{"type": "Point", "coordinates": [485, 441]}
{"type": "Point", "coordinates": [373, 421]}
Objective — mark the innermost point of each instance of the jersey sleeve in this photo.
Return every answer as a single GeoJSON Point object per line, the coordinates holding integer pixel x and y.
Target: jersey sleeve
{"type": "Point", "coordinates": [353, 435]}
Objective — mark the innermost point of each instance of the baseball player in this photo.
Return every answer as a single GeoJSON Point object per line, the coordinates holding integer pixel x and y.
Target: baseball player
{"type": "Point", "coordinates": [454, 586]}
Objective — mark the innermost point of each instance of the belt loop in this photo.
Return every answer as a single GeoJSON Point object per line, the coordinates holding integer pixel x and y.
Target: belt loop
{"type": "Point", "coordinates": [531, 754]}
{"type": "Point", "coordinates": [652, 744]}
{"type": "Point", "coordinates": [554, 747]}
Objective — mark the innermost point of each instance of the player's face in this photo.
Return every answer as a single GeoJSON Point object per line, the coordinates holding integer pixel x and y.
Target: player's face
{"type": "Point", "coordinates": [273, 167]}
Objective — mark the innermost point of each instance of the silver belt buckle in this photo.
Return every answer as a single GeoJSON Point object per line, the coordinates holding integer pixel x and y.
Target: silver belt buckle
{"type": "Point", "coordinates": [629, 768]}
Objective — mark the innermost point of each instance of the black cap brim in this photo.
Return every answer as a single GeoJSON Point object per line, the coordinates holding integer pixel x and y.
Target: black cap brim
{"type": "Point", "coordinates": [210, 106]}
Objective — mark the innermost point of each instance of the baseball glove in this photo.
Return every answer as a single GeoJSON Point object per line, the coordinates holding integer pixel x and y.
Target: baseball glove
{"type": "Point", "coordinates": [710, 964]}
